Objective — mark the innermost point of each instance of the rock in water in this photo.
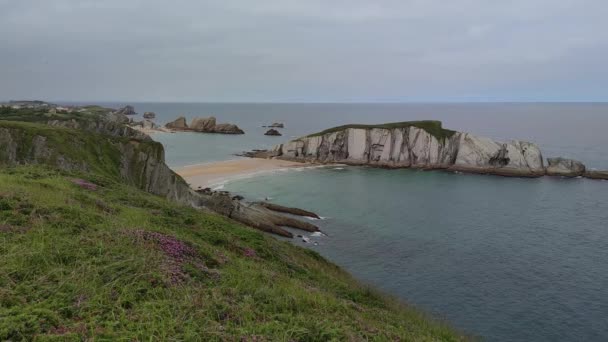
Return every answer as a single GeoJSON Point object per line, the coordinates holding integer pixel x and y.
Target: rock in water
{"type": "Point", "coordinates": [277, 125]}
{"type": "Point", "coordinates": [179, 123]}
{"type": "Point", "coordinates": [273, 132]}
{"type": "Point", "coordinates": [228, 129]}
{"type": "Point", "coordinates": [126, 110]}
{"type": "Point", "coordinates": [203, 124]}
{"type": "Point", "coordinates": [149, 115]}
{"type": "Point", "coordinates": [565, 167]}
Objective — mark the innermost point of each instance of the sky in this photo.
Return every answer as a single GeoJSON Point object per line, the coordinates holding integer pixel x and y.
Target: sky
{"type": "Point", "coordinates": [304, 50]}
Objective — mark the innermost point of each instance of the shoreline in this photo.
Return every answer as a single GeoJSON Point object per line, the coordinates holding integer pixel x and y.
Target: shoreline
{"type": "Point", "coordinates": [211, 174]}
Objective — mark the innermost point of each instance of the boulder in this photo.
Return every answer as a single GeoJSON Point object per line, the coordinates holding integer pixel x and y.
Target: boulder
{"type": "Point", "coordinates": [227, 129]}
{"type": "Point", "coordinates": [179, 123]}
{"type": "Point", "coordinates": [565, 167]}
{"type": "Point", "coordinates": [273, 132]}
{"type": "Point", "coordinates": [126, 110]}
{"type": "Point", "coordinates": [149, 115]}
{"type": "Point", "coordinates": [203, 124]}
{"type": "Point", "coordinates": [277, 125]}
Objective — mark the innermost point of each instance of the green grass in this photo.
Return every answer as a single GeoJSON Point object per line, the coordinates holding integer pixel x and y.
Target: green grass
{"type": "Point", "coordinates": [431, 126]}
{"type": "Point", "coordinates": [100, 153]}
{"type": "Point", "coordinates": [72, 268]}
{"type": "Point", "coordinates": [43, 115]}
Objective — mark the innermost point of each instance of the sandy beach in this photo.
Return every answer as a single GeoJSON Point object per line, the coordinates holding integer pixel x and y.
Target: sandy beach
{"type": "Point", "coordinates": [211, 174]}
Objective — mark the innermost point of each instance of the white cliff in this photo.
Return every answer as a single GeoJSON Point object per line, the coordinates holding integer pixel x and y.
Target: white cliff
{"type": "Point", "coordinates": [421, 144]}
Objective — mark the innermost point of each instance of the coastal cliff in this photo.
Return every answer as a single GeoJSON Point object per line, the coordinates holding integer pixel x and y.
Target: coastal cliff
{"type": "Point", "coordinates": [416, 144]}
{"type": "Point", "coordinates": [104, 145]}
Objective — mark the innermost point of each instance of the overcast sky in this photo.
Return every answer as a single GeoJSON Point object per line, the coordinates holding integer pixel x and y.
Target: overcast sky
{"type": "Point", "coordinates": [304, 50]}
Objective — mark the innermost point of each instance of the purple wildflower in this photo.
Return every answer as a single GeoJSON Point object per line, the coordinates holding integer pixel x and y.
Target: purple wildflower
{"type": "Point", "coordinates": [177, 252]}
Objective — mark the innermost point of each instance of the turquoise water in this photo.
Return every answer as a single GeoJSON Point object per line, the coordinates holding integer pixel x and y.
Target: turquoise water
{"type": "Point", "coordinates": [506, 259]}
{"type": "Point", "coordinates": [503, 258]}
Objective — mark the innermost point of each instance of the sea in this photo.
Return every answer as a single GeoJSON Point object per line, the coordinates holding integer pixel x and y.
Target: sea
{"type": "Point", "coordinates": [501, 259]}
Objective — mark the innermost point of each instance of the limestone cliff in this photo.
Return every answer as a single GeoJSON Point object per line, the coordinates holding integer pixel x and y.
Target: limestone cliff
{"type": "Point", "coordinates": [418, 144]}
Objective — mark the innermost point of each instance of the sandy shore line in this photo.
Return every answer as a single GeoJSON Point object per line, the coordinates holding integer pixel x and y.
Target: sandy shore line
{"type": "Point", "coordinates": [214, 173]}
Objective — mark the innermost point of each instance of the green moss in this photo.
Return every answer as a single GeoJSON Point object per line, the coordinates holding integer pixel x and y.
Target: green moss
{"type": "Point", "coordinates": [431, 126]}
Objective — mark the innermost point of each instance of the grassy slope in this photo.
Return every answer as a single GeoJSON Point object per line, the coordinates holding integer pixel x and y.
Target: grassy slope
{"type": "Point", "coordinates": [74, 265]}
{"type": "Point", "coordinates": [433, 127]}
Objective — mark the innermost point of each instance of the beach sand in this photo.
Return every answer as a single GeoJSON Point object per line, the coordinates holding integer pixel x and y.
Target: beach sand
{"type": "Point", "coordinates": [211, 174]}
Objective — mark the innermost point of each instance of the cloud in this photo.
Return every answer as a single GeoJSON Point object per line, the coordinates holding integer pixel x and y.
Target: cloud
{"type": "Point", "coordinates": [282, 50]}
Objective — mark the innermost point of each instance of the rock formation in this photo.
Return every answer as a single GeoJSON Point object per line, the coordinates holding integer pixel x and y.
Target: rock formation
{"type": "Point", "coordinates": [126, 110]}
{"type": "Point", "coordinates": [418, 144]}
{"type": "Point", "coordinates": [276, 125]}
{"type": "Point", "coordinates": [204, 125]}
{"type": "Point", "coordinates": [149, 115]}
{"type": "Point", "coordinates": [565, 167]}
{"type": "Point", "coordinates": [273, 132]}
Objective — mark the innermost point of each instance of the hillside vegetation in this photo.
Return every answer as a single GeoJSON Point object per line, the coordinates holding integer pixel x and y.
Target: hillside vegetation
{"type": "Point", "coordinates": [87, 254]}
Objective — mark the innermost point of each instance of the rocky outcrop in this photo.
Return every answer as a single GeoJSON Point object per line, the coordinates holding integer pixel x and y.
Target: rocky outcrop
{"type": "Point", "coordinates": [126, 110]}
{"type": "Point", "coordinates": [276, 125]}
{"type": "Point", "coordinates": [149, 115]}
{"type": "Point", "coordinates": [288, 210]}
{"type": "Point", "coordinates": [273, 132]}
{"type": "Point", "coordinates": [565, 167]}
{"type": "Point", "coordinates": [178, 124]}
{"type": "Point", "coordinates": [204, 125]}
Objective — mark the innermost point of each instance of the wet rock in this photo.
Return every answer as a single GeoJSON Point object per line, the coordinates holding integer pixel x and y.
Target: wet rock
{"type": "Point", "coordinates": [288, 210]}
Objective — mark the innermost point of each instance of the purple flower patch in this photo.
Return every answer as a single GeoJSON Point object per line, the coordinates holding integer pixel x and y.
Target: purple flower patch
{"type": "Point", "coordinates": [178, 253]}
